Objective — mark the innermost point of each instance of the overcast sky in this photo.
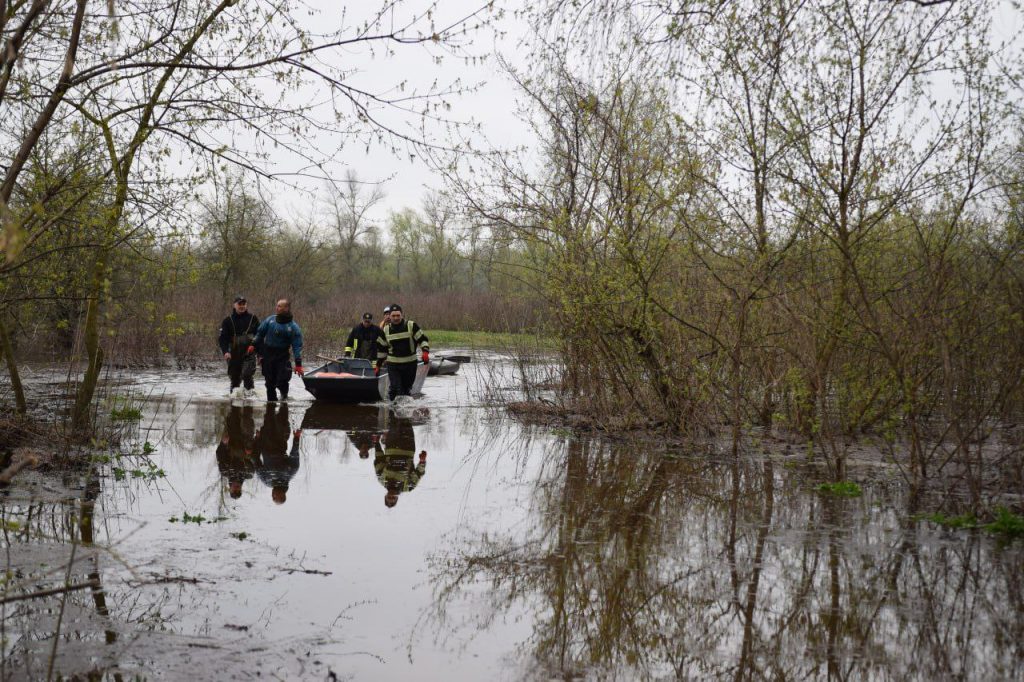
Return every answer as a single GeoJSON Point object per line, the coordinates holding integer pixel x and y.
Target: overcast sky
{"type": "Point", "coordinates": [490, 104]}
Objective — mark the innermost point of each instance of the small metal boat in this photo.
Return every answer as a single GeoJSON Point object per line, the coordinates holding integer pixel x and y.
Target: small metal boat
{"type": "Point", "coordinates": [347, 380]}
{"type": "Point", "coordinates": [352, 380]}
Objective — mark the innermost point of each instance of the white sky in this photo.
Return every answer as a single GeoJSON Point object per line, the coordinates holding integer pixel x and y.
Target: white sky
{"type": "Point", "coordinates": [491, 104]}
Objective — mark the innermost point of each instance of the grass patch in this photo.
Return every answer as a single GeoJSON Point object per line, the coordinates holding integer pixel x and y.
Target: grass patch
{"type": "Point", "coordinates": [840, 489]}
{"type": "Point", "coordinates": [195, 518]}
{"type": "Point", "coordinates": [1006, 523]}
{"type": "Point", "coordinates": [123, 409]}
{"type": "Point", "coordinates": [959, 522]}
{"type": "Point", "coordinates": [126, 414]}
{"type": "Point", "coordinates": [467, 339]}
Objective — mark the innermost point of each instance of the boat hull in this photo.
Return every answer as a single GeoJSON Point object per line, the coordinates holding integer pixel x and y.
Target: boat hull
{"type": "Point", "coordinates": [360, 385]}
{"type": "Point", "coordinates": [443, 367]}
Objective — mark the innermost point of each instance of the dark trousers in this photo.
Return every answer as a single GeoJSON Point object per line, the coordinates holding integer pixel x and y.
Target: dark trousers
{"type": "Point", "coordinates": [241, 367]}
{"type": "Point", "coordinates": [401, 377]}
{"type": "Point", "coordinates": [277, 371]}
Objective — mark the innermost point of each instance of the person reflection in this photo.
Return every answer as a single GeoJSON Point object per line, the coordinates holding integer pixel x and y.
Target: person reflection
{"type": "Point", "coordinates": [277, 465]}
{"type": "Point", "coordinates": [236, 457]}
{"type": "Point", "coordinates": [364, 442]}
{"type": "Point", "coordinates": [394, 460]}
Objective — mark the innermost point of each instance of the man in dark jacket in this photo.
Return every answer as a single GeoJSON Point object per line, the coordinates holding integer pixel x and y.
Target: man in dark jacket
{"type": "Point", "coordinates": [276, 334]}
{"type": "Point", "coordinates": [362, 340]}
{"type": "Point", "coordinates": [237, 332]}
{"type": "Point", "coordinates": [398, 346]}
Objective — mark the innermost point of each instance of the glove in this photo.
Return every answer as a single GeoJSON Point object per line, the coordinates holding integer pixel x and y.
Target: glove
{"type": "Point", "coordinates": [376, 371]}
{"type": "Point", "coordinates": [423, 456]}
{"type": "Point", "coordinates": [426, 357]}
{"type": "Point", "coordinates": [250, 350]}
{"type": "Point", "coordinates": [299, 370]}
{"type": "Point", "coordinates": [297, 433]}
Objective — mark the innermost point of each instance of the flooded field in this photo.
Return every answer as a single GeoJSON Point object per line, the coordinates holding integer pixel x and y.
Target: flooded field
{"type": "Point", "coordinates": [309, 541]}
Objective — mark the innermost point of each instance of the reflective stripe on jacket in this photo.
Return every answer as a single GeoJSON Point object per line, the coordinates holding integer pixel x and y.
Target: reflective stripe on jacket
{"type": "Point", "coordinates": [399, 342]}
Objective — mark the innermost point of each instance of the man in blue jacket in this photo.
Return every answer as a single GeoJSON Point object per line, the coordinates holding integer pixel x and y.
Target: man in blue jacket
{"type": "Point", "coordinates": [276, 334]}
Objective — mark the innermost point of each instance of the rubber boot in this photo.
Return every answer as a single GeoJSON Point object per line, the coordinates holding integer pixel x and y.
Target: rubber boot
{"type": "Point", "coordinates": [271, 395]}
{"type": "Point", "coordinates": [284, 392]}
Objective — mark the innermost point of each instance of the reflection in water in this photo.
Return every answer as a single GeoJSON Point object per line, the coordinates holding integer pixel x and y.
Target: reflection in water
{"type": "Point", "coordinates": [644, 565]}
{"type": "Point", "coordinates": [362, 424]}
{"type": "Point", "coordinates": [385, 433]}
{"type": "Point", "coordinates": [277, 464]}
{"type": "Point", "coordinates": [393, 462]}
{"type": "Point", "coordinates": [237, 458]}
{"type": "Point", "coordinates": [572, 560]}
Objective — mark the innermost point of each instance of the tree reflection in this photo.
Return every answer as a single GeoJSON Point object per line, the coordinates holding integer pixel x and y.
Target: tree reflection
{"type": "Point", "coordinates": [644, 565]}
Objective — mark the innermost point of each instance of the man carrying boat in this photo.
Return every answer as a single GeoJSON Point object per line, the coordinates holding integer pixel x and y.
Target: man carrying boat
{"type": "Point", "coordinates": [275, 336]}
{"type": "Point", "coordinates": [398, 347]}
{"type": "Point", "coordinates": [362, 340]}
{"type": "Point", "coordinates": [237, 332]}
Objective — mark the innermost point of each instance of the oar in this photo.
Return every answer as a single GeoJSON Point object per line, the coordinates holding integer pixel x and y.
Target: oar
{"type": "Point", "coordinates": [324, 357]}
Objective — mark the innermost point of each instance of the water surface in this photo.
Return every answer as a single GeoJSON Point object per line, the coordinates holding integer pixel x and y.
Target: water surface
{"type": "Point", "coordinates": [303, 539]}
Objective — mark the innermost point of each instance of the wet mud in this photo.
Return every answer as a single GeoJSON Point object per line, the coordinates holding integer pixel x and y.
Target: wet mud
{"type": "Point", "coordinates": [440, 540]}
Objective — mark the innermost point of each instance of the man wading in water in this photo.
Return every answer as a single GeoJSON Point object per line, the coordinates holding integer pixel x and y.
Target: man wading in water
{"type": "Point", "coordinates": [275, 336]}
{"type": "Point", "coordinates": [236, 341]}
{"type": "Point", "coordinates": [362, 340]}
{"type": "Point", "coordinates": [398, 347]}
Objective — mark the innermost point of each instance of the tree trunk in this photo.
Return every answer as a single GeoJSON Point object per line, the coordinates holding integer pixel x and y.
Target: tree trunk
{"type": "Point", "coordinates": [87, 388]}
{"type": "Point", "coordinates": [12, 368]}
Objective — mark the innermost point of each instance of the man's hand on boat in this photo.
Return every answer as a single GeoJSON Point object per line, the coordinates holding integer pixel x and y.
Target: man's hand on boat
{"type": "Point", "coordinates": [299, 370]}
{"type": "Point", "coordinates": [426, 357]}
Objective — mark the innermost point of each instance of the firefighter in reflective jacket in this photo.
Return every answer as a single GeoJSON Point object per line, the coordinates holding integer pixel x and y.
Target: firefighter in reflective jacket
{"type": "Point", "coordinates": [398, 347]}
{"type": "Point", "coordinates": [362, 340]}
{"type": "Point", "coordinates": [393, 461]}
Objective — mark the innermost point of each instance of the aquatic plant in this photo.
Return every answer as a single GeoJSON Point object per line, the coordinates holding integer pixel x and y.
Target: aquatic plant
{"type": "Point", "coordinates": [840, 489]}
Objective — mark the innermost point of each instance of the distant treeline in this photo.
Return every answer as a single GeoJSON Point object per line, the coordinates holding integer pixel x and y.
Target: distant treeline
{"type": "Point", "coordinates": [168, 294]}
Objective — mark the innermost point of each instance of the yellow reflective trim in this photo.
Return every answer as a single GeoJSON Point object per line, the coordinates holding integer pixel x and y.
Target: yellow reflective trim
{"type": "Point", "coordinates": [402, 359]}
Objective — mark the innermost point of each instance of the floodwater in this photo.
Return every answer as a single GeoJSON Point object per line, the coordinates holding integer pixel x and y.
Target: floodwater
{"type": "Point", "coordinates": [308, 541]}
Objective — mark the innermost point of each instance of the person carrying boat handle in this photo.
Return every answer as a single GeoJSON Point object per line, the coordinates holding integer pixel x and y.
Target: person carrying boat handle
{"type": "Point", "coordinates": [236, 336]}
{"type": "Point", "coordinates": [397, 347]}
{"type": "Point", "coordinates": [362, 340]}
{"type": "Point", "coordinates": [276, 334]}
